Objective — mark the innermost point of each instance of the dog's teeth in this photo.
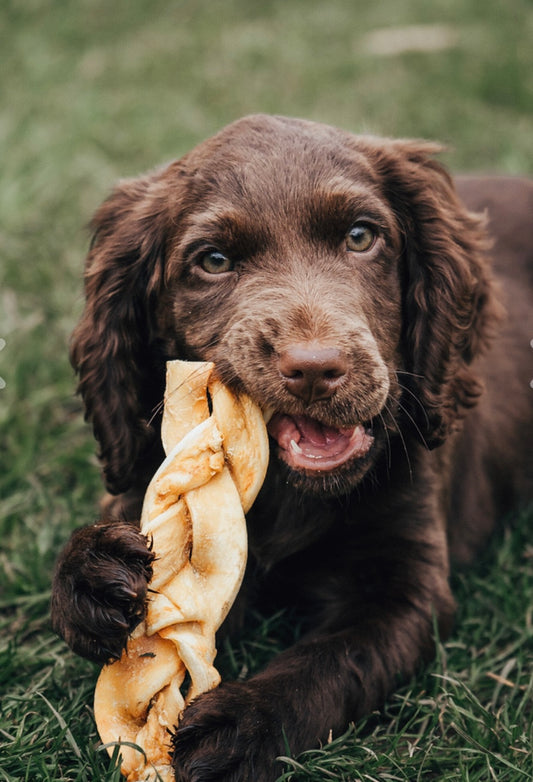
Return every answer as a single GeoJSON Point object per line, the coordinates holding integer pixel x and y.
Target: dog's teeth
{"type": "Point", "coordinates": [295, 447]}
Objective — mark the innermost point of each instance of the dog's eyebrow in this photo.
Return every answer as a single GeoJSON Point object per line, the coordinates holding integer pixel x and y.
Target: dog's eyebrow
{"type": "Point", "coordinates": [354, 202]}
{"type": "Point", "coordinates": [331, 211]}
{"type": "Point", "coordinates": [228, 229]}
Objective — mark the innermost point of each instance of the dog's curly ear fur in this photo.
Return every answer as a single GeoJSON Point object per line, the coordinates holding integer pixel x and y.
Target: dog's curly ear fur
{"type": "Point", "coordinates": [450, 306]}
{"type": "Point", "coordinates": [114, 345]}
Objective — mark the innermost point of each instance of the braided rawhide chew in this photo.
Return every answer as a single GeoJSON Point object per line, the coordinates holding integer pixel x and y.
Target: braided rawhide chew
{"type": "Point", "coordinates": [193, 512]}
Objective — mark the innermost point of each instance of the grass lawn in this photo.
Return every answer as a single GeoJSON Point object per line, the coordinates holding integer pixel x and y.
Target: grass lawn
{"type": "Point", "coordinates": [94, 90]}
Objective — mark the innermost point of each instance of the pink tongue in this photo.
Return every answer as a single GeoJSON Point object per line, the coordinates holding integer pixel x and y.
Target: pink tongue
{"type": "Point", "coordinates": [315, 432]}
{"type": "Point", "coordinates": [309, 445]}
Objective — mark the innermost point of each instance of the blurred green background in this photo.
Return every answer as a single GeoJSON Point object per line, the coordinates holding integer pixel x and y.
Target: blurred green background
{"type": "Point", "coordinates": [94, 90]}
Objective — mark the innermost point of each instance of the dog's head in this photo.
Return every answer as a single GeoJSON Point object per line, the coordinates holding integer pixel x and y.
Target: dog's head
{"type": "Point", "coordinates": [336, 279]}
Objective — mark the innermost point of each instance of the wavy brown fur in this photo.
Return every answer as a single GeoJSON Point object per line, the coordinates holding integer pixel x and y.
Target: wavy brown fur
{"type": "Point", "coordinates": [406, 337]}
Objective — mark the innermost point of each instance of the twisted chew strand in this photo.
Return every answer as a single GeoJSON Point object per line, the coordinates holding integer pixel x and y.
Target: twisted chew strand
{"type": "Point", "coordinates": [217, 453]}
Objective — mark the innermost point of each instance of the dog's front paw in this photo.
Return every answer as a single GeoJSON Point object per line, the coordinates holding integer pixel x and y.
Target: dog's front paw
{"type": "Point", "coordinates": [231, 734]}
{"type": "Point", "coordinates": [99, 589]}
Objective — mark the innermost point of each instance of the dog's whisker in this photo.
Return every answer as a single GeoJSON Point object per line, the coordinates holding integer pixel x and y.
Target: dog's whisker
{"type": "Point", "coordinates": [417, 400]}
{"type": "Point", "coordinates": [404, 444]}
{"type": "Point", "coordinates": [157, 410]}
{"type": "Point", "coordinates": [409, 374]}
{"type": "Point", "coordinates": [415, 425]}
{"type": "Point", "coordinates": [389, 449]}
{"type": "Point", "coordinates": [159, 407]}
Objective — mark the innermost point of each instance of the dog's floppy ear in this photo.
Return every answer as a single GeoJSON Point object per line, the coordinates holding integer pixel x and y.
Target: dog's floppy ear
{"type": "Point", "coordinates": [450, 306]}
{"type": "Point", "coordinates": [113, 346]}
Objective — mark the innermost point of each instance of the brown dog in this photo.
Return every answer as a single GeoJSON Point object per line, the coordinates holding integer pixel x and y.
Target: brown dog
{"type": "Point", "coordinates": [343, 283]}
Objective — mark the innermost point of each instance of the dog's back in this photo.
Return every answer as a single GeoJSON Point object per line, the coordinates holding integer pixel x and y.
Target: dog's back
{"type": "Point", "coordinates": [500, 468]}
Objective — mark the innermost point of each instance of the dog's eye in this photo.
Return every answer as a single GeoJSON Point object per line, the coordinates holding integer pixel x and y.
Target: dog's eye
{"type": "Point", "coordinates": [216, 263]}
{"type": "Point", "coordinates": [361, 238]}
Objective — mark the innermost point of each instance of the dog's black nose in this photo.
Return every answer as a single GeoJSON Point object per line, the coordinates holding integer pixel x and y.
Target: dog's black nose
{"type": "Point", "coordinates": [312, 371]}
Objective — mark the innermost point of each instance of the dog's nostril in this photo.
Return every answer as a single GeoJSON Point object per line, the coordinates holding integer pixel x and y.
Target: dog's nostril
{"type": "Point", "coordinates": [312, 371]}
{"type": "Point", "coordinates": [332, 374]}
{"type": "Point", "coordinates": [292, 373]}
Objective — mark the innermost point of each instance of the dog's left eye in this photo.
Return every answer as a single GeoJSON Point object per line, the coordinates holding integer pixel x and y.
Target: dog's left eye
{"type": "Point", "coordinates": [361, 238]}
{"type": "Point", "coordinates": [214, 262]}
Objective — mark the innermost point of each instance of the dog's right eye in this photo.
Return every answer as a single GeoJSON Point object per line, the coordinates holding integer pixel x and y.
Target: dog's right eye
{"type": "Point", "coordinates": [214, 262]}
{"type": "Point", "coordinates": [361, 238]}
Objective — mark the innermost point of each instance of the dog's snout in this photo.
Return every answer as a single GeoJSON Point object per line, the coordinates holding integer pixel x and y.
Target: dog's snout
{"type": "Point", "coordinates": [312, 371]}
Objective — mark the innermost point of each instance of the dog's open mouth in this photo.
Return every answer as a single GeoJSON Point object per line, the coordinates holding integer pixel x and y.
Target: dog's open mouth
{"type": "Point", "coordinates": [307, 444]}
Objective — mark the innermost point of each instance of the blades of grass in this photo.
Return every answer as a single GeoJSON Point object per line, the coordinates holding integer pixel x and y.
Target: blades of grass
{"type": "Point", "coordinates": [485, 751]}
{"type": "Point", "coordinates": [63, 725]}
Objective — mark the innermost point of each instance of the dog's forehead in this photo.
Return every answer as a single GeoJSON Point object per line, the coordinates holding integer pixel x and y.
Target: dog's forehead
{"type": "Point", "coordinates": [264, 134]}
{"type": "Point", "coordinates": [262, 153]}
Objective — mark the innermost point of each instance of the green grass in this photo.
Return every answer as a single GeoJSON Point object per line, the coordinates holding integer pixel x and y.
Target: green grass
{"type": "Point", "coordinates": [94, 90]}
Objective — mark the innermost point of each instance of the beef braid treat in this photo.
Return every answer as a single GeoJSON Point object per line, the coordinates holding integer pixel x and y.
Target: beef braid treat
{"type": "Point", "coordinates": [193, 513]}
